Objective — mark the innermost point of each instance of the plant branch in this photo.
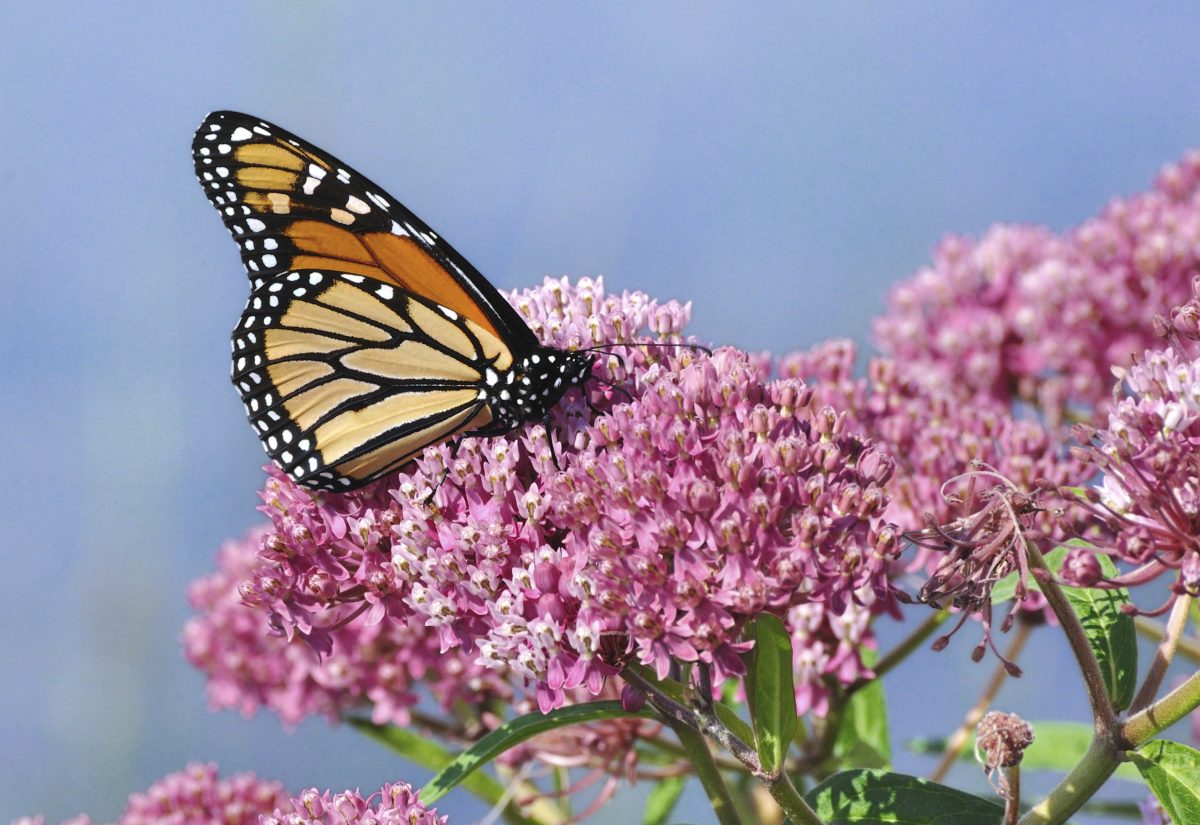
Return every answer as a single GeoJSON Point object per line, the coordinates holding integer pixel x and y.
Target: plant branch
{"type": "Point", "coordinates": [701, 757]}
{"type": "Point", "coordinates": [1165, 653]}
{"type": "Point", "coordinates": [1104, 718]}
{"type": "Point", "coordinates": [1141, 727]}
{"type": "Point", "coordinates": [1186, 646]}
{"type": "Point", "coordinates": [962, 735]}
{"type": "Point", "coordinates": [1093, 770]}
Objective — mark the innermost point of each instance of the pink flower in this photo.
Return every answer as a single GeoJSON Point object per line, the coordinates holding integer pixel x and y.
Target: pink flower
{"type": "Point", "coordinates": [397, 803]}
{"type": "Point", "coordinates": [196, 796]}
{"type": "Point", "coordinates": [703, 494]}
{"type": "Point", "coordinates": [1024, 313]}
{"type": "Point", "coordinates": [1149, 497]}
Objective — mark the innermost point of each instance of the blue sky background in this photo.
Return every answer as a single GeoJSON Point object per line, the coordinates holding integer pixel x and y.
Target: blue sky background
{"type": "Point", "coordinates": [778, 165]}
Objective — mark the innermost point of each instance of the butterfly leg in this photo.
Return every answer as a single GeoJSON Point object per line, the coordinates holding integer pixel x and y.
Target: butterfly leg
{"type": "Point", "coordinates": [550, 437]}
{"type": "Point", "coordinates": [453, 445]}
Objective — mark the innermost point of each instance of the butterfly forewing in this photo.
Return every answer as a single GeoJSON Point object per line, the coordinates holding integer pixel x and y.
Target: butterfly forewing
{"type": "Point", "coordinates": [346, 378]}
{"type": "Point", "coordinates": [291, 206]}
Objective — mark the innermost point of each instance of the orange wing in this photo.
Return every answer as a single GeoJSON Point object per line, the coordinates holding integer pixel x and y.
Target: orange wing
{"type": "Point", "coordinates": [291, 206]}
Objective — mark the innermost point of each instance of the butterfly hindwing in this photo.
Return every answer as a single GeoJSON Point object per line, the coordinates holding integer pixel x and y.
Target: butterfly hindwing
{"type": "Point", "coordinates": [290, 207]}
{"type": "Point", "coordinates": [346, 378]}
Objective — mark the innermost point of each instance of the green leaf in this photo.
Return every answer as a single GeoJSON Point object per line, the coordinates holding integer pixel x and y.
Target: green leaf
{"type": "Point", "coordinates": [663, 796]}
{"type": "Point", "coordinates": [1057, 746]}
{"type": "Point", "coordinates": [513, 733]}
{"type": "Point", "coordinates": [876, 797]}
{"type": "Point", "coordinates": [862, 737]}
{"type": "Point", "coordinates": [771, 691]}
{"type": "Point", "coordinates": [423, 751]}
{"type": "Point", "coordinates": [1172, 771]}
{"type": "Point", "coordinates": [1110, 632]}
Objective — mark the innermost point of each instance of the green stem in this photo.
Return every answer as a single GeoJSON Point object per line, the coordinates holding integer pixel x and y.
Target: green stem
{"type": "Point", "coordinates": [785, 793]}
{"type": "Point", "coordinates": [902, 651]}
{"type": "Point", "coordinates": [696, 747]}
{"type": "Point", "coordinates": [1186, 646]}
{"type": "Point", "coordinates": [1104, 718]}
{"type": "Point", "coordinates": [1142, 727]}
{"type": "Point", "coordinates": [1080, 785]}
{"type": "Point", "coordinates": [1164, 654]}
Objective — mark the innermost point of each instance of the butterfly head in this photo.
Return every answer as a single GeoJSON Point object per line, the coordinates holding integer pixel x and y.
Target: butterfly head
{"type": "Point", "coordinates": [532, 387]}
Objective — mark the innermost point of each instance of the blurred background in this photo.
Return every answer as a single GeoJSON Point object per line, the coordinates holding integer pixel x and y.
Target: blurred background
{"type": "Point", "coordinates": [778, 166]}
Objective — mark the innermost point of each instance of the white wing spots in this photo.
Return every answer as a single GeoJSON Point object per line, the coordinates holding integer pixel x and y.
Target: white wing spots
{"type": "Point", "coordinates": [316, 171]}
{"type": "Point", "coordinates": [310, 185]}
{"type": "Point", "coordinates": [270, 243]}
{"type": "Point", "coordinates": [215, 127]}
{"type": "Point", "coordinates": [264, 426]}
{"type": "Point", "coordinates": [266, 320]}
{"type": "Point", "coordinates": [274, 300]}
{"type": "Point", "coordinates": [491, 378]}
{"type": "Point", "coordinates": [241, 363]}
{"type": "Point", "coordinates": [482, 395]}
{"type": "Point", "coordinates": [385, 292]}
{"type": "Point", "coordinates": [286, 457]}
{"type": "Point", "coordinates": [256, 377]}
{"type": "Point", "coordinates": [504, 395]}
{"type": "Point", "coordinates": [269, 261]}
{"type": "Point", "coordinates": [355, 205]}
{"type": "Point", "coordinates": [286, 435]}
{"type": "Point", "coordinates": [262, 131]}
{"type": "Point", "coordinates": [343, 176]}
{"type": "Point", "coordinates": [241, 133]}
{"type": "Point", "coordinates": [205, 151]}
{"type": "Point", "coordinates": [341, 216]}
{"type": "Point", "coordinates": [299, 292]}
{"type": "Point", "coordinates": [377, 200]}
{"type": "Point", "coordinates": [224, 148]}
{"type": "Point", "coordinates": [304, 444]}
{"type": "Point", "coordinates": [250, 319]}
{"type": "Point", "coordinates": [314, 278]}
{"type": "Point", "coordinates": [248, 245]}
{"type": "Point", "coordinates": [275, 287]}
{"type": "Point", "coordinates": [313, 463]}
{"type": "Point", "coordinates": [253, 265]}
{"type": "Point", "coordinates": [256, 225]}
{"type": "Point", "coordinates": [253, 405]}
{"type": "Point", "coordinates": [354, 279]}
{"type": "Point", "coordinates": [449, 313]}
{"type": "Point", "coordinates": [536, 359]}
{"type": "Point", "coordinates": [293, 276]}
{"type": "Point", "coordinates": [345, 482]}
{"type": "Point", "coordinates": [272, 443]}
{"type": "Point", "coordinates": [223, 171]}
{"type": "Point", "coordinates": [397, 229]}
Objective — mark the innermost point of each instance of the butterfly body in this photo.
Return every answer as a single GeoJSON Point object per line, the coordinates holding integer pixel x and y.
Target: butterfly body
{"type": "Point", "coordinates": [365, 338]}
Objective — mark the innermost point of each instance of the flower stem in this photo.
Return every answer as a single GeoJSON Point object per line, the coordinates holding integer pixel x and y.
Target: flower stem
{"type": "Point", "coordinates": [785, 793]}
{"type": "Point", "coordinates": [1104, 718]}
{"type": "Point", "coordinates": [1012, 801]}
{"type": "Point", "coordinates": [1081, 784]}
{"type": "Point", "coordinates": [901, 652]}
{"type": "Point", "coordinates": [701, 757]}
{"type": "Point", "coordinates": [958, 740]}
{"type": "Point", "coordinates": [1165, 653]}
{"type": "Point", "coordinates": [1140, 727]}
{"type": "Point", "coordinates": [1186, 646]}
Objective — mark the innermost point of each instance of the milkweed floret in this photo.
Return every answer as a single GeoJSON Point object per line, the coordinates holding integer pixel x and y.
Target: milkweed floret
{"type": "Point", "coordinates": [695, 492]}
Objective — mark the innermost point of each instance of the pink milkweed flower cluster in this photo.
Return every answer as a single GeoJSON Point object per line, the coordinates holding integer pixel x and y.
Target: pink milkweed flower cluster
{"type": "Point", "coordinates": [1150, 494]}
{"type": "Point", "coordinates": [396, 803]}
{"type": "Point", "coordinates": [704, 493]}
{"type": "Point", "coordinates": [1024, 313]}
{"type": "Point", "coordinates": [196, 794]}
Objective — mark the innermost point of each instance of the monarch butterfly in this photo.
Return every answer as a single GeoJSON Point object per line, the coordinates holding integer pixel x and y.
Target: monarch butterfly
{"type": "Point", "coordinates": [366, 337]}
